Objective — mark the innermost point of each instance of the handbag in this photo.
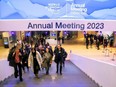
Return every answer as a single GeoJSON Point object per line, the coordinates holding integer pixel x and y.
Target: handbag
{"type": "Point", "coordinates": [44, 64]}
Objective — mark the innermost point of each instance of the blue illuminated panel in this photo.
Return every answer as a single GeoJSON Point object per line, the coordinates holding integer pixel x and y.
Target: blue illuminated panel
{"type": "Point", "coordinates": [58, 9]}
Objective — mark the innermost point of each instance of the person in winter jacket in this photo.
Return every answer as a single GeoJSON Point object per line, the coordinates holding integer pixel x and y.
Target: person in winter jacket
{"type": "Point", "coordinates": [59, 53]}
{"type": "Point", "coordinates": [47, 57]}
{"type": "Point", "coordinates": [35, 61]}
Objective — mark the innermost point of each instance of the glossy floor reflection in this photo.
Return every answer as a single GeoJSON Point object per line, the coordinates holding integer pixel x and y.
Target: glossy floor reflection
{"type": "Point", "coordinates": [72, 77]}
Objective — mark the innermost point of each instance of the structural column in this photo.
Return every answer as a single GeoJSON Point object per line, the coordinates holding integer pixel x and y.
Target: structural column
{"type": "Point", "coordinates": [18, 34]}
{"type": "Point", "coordinates": [114, 39]}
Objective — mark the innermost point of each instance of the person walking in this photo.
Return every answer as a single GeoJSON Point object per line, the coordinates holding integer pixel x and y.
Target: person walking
{"type": "Point", "coordinates": [35, 61]}
{"type": "Point", "coordinates": [58, 52]}
{"type": "Point", "coordinates": [25, 60]}
{"type": "Point", "coordinates": [87, 40]}
{"type": "Point", "coordinates": [51, 52]}
{"type": "Point", "coordinates": [91, 40]}
{"type": "Point", "coordinates": [18, 62]}
{"type": "Point", "coordinates": [47, 57]}
{"type": "Point", "coordinates": [63, 40]}
{"type": "Point", "coordinates": [98, 42]}
{"type": "Point", "coordinates": [105, 43]}
{"type": "Point", "coordinates": [11, 57]}
{"type": "Point", "coordinates": [87, 43]}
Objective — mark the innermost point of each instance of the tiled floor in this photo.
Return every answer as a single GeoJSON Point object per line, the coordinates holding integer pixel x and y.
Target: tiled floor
{"type": "Point", "coordinates": [72, 77]}
{"type": "Point", "coordinates": [92, 53]}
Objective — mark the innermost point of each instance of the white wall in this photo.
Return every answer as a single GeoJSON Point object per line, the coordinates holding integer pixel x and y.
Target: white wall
{"type": "Point", "coordinates": [5, 34]}
{"type": "Point", "coordinates": [103, 73]}
{"type": "Point", "coordinates": [5, 69]}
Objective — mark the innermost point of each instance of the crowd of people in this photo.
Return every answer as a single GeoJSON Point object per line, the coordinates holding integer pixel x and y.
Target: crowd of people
{"type": "Point", "coordinates": [36, 56]}
{"type": "Point", "coordinates": [98, 40]}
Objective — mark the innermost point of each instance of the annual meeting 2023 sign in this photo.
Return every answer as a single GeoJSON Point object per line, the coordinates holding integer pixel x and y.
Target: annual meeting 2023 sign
{"type": "Point", "coordinates": [87, 12]}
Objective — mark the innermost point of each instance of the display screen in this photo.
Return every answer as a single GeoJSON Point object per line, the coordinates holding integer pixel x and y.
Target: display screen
{"type": "Point", "coordinates": [5, 40]}
{"type": "Point", "coordinates": [58, 9]}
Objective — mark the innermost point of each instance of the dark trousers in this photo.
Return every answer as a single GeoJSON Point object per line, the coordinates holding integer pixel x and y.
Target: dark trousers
{"type": "Point", "coordinates": [25, 65]}
{"type": "Point", "coordinates": [18, 70]}
{"type": "Point", "coordinates": [87, 45]}
{"type": "Point", "coordinates": [91, 43]}
{"type": "Point", "coordinates": [35, 68]}
{"type": "Point", "coordinates": [47, 68]}
{"type": "Point", "coordinates": [57, 66]}
{"type": "Point", "coordinates": [98, 44]}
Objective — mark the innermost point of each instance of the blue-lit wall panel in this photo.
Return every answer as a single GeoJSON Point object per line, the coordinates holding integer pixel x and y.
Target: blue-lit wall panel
{"type": "Point", "coordinates": [58, 9]}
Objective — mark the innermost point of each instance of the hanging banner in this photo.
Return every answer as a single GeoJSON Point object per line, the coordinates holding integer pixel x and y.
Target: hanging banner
{"type": "Point", "coordinates": [55, 24]}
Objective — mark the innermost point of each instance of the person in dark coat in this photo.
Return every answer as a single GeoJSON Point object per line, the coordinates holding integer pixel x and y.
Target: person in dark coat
{"type": "Point", "coordinates": [105, 43]}
{"type": "Point", "coordinates": [87, 43]}
{"type": "Point", "coordinates": [58, 52]}
{"type": "Point", "coordinates": [10, 57]}
{"type": "Point", "coordinates": [111, 43]}
{"type": "Point", "coordinates": [91, 40]}
{"type": "Point", "coordinates": [98, 42]}
{"type": "Point", "coordinates": [25, 60]}
{"type": "Point", "coordinates": [62, 40]}
{"type": "Point", "coordinates": [87, 40]}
